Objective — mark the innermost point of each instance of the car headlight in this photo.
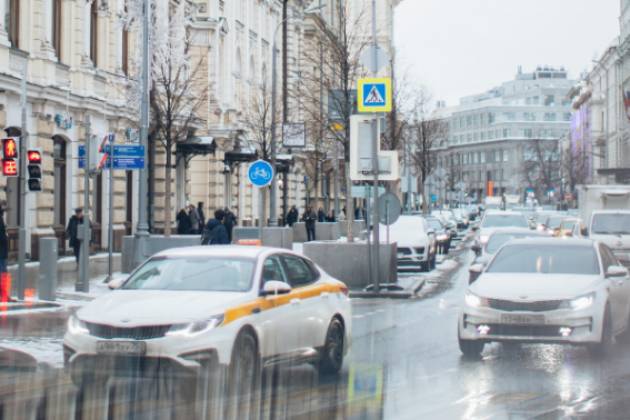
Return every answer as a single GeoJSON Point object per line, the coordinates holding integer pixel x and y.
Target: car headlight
{"type": "Point", "coordinates": [195, 328]}
{"type": "Point", "coordinates": [475, 301]}
{"type": "Point", "coordinates": [76, 326]}
{"type": "Point", "coordinates": [580, 302]}
{"type": "Point", "coordinates": [484, 239]}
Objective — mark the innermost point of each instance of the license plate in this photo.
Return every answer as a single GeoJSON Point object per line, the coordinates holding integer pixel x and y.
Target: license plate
{"type": "Point", "coordinates": [130, 348]}
{"type": "Point", "coordinates": [522, 319]}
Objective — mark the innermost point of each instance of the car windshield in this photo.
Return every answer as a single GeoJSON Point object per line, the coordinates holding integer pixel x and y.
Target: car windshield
{"type": "Point", "coordinates": [435, 224]}
{"type": "Point", "coordinates": [207, 274]}
{"type": "Point", "coordinates": [549, 259]}
{"type": "Point", "coordinates": [405, 227]}
{"type": "Point", "coordinates": [504, 220]}
{"type": "Point", "coordinates": [554, 222]}
{"type": "Point", "coordinates": [497, 240]}
{"type": "Point", "coordinates": [611, 224]}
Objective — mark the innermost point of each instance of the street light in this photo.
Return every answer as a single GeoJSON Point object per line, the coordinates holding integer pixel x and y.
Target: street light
{"type": "Point", "coordinates": [273, 219]}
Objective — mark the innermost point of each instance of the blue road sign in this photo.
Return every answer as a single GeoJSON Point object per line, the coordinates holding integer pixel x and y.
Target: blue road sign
{"type": "Point", "coordinates": [260, 173]}
{"type": "Point", "coordinates": [126, 157]}
{"type": "Point", "coordinates": [374, 95]}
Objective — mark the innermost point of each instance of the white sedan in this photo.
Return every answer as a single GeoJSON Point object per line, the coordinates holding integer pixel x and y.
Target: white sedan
{"type": "Point", "coordinates": [238, 307]}
{"type": "Point", "coordinates": [547, 290]}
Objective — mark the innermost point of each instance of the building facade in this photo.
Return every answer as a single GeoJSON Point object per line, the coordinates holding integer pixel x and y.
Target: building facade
{"type": "Point", "coordinates": [505, 141]}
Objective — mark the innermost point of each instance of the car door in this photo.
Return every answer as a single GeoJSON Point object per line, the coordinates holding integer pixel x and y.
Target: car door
{"type": "Point", "coordinates": [619, 290]}
{"type": "Point", "coordinates": [306, 299]}
{"type": "Point", "coordinates": [278, 322]}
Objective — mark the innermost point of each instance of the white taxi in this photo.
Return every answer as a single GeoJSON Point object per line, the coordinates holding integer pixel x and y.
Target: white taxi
{"type": "Point", "coordinates": [239, 307]}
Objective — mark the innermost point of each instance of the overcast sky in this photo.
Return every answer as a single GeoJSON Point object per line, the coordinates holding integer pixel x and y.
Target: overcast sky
{"type": "Point", "coordinates": [462, 47]}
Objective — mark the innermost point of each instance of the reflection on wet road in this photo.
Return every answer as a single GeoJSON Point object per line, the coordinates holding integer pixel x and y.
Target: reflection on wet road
{"type": "Point", "coordinates": [404, 364]}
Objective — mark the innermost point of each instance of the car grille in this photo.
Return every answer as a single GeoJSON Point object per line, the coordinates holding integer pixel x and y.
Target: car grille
{"type": "Point", "coordinates": [525, 330]}
{"type": "Point", "coordinates": [133, 333]}
{"type": "Point", "coordinates": [404, 251]}
{"type": "Point", "coordinates": [538, 306]}
{"type": "Point", "coordinates": [419, 250]}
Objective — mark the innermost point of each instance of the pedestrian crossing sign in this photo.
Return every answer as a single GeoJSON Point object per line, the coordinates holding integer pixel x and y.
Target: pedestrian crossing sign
{"type": "Point", "coordinates": [375, 95]}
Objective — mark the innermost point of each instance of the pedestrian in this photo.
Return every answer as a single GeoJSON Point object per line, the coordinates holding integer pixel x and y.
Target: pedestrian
{"type": "Point", "coordinates": [215, 232]}
{"type": "Point", "coordinates": [184, 224]}
{"type": "Point", "coordinates": [342, 215]}
{"type": "Point", "coordinates": [321, 216]}
{"type": "Point", "coordinates": [4, 240]}
{"type": "Point", "coordinates": [309, 219]}
{"type": "Point", "coordinates": [292, 216]}
{"type": "Point", "coordinates": [229, 221]}
{"type": "Point", "coordinates": [72, 232]}
{"type": "Point", "coordinates": [357, 213]}
{"type": "Point", "coordinates": [202, 216]}
{"type": "Point", "coordinates": [331, 217]}
{"type": "Point", "coordinates": [195, 226]}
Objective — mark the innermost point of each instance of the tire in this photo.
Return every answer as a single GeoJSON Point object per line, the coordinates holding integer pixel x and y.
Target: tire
{"type": "Point", "coordinates": [471, 349]}
{"type": "Point", "coordinates": [331, 357]}
{"type": "Point", "coordinates": [607, 340]}
{"type": "Point", "coordinates": [244, 375]}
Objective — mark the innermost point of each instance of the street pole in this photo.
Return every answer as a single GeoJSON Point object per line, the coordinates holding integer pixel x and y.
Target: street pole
{"type": "Point", "coordinates": [110, 230]}
{"type": "Point", "coordinates": [142, 229]}
{"type": "Point", "coordinates": [22, 189]}
{"type": "Point", "coordinates": [375, 168]}
{"type": "Point", "coordinates": [274, 87]}
{"type": "Point", "coordinates": [83, 283]}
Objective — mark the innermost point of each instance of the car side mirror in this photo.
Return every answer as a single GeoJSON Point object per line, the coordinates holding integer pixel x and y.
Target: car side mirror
{"type": "Point", "coordinates": [275, 287]}
{"type": "Point", "coordinates": [475, 228]}
{"type": "Point", "coordinates": [476, 249]}
{"type": "Point", "coordinates": [476, 268]}
{"type": "Point", "coordinates": [116, 283]}
{"type": "Point", "coordinates": [616, 271]}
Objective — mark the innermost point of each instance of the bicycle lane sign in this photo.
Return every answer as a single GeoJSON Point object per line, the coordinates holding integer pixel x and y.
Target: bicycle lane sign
{"type": "Point", "coordinates": [260, 173]}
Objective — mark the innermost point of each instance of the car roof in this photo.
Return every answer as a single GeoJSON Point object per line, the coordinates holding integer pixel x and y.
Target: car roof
{"type": "Point", "coordinates": [517, 230]}
{"type": "Point", "coordinates": [553, 241]}
{"type": "Point", "coordinates": [503, 212]}
{"type": "Point", "coordinates": [224, 251]}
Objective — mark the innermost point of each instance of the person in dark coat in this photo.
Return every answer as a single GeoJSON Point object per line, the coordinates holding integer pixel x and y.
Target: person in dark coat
{"type": "Point", "coordinates": [292, 216]}
{"type": "Point", "coordinates": [184, 224]}
{"type": "Point", "coordinates": [321, 216]}
{"type": "Point", "coordinates": [309, 219]}
{"type": "Point", "coordinates": [229, 221]}
{"type": "Point", "coordinates": [215, 232]}
{"type": "Point", "coordinates": [72, 232]}
{"type": "Point", "coordinates": [4, 240]}
{"type": "Point", "coordinates": [202, 216]}
{"type": "Point", "coordinates": [195, 225]}
{"type": "Point", "coordinates": [331, 217]}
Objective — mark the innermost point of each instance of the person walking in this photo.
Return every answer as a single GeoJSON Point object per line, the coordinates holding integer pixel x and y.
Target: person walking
{"type": "Point", "coordinates": [292, 216]}
{"type": "Point", "coordinates": [72, 232]}
{"type": "Point", "coordinates": [4, 240]}
{"type": "Point", "coordinates": [331, 217]}
{"type": "Point", "coordinates": [321, 215]}
{"type": "Point", "coordinates": [202, 216]}
{"type": "Point", "coordinates": [309, 219]}
{"type": "Point", "coordinates": [229, 221]}
{"type": "Point", "coordinates": [195, 225]}
{"type": "Point", "coordinates": [183, 222]}
{"type": "Point", "coordinates": [215, 232]}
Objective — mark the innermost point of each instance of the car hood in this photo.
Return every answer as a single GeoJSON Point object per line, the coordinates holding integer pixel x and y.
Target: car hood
{"type": "Point", "coordinates": [130, 308]}
{"type": "Point", "coordinates": [512, 286]}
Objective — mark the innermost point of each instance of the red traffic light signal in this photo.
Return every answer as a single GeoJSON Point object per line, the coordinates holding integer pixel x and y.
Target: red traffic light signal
{"type": "Point", "coordinates": [34, 156]}
{"type": "Point", "coordinates": [9, 148]}
{"type": "Point", "coordinates": [9, 167]}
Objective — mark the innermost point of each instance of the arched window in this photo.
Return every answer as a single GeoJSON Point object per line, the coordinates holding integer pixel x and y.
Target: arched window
{"type": "Point", "coordinates": [94, 33]}
{"type": "Point", "coordinates": [14, 23]}
{"type": "Point", "coordinates": [60, 164]}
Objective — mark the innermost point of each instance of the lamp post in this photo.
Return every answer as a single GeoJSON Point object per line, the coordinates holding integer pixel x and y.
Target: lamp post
{"type": "Point", "coordinates": [273, 219]}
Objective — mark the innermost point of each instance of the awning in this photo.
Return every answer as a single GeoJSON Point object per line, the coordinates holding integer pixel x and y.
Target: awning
{"type": "Point", "coordinates": [197, 146]}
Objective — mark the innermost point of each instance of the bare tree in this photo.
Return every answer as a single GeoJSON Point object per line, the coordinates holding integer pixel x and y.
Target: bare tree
{"type": "Point", "coordinates": [258, 120]}
{"type": "Point", "coordinates": [329, 85]}
{"type": "Point", "coordinates": [576, 165]}
{"type": "Point", "coordinates": [541, 166]}
{"type": "Point", "coordinates": [424, 132]}
{"type": "Point", "coordinates": [178, 88]}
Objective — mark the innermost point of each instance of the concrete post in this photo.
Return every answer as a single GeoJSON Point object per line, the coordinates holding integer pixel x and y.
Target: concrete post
{"type": "Point", "coordinates": [47, 286]}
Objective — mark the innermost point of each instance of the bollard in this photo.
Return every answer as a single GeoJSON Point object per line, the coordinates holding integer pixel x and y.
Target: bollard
{"type": "Point", "coordinates": [47, 268]}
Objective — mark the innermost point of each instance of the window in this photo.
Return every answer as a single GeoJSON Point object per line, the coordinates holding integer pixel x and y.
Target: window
{"type": "Point", "coordinates": [550, 100]}
{"type": "Point", "coordinates": [14, 23]}
{"type": "Point", "coordinates": [527, 132]}
{"type": "Point", "coordinates": [94, 33]}
{"type": "Point", "coordinates": [56, 27]}
{"type": "Point", "coordinates": [272, 270]}
{"type": "Point", "coordinates": [608, 258]}
{"type": "Point", "coordinates": [566, 116]}
{"type": "Point", "coordinates": [509, 116]}
{"type": "Point", "coordinates": [125, 51]}
{"type": "Point", "coordinates": [506, 133]}
{"type": "Point", "coordinates": [550, 116]}
{"type": "Point", "coordinates": [491, 118]}
{"type": "Point", "coordinates": [299, 272]}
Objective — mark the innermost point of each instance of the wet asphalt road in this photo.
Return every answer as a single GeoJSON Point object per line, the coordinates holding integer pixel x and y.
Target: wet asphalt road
{"type": "Point", "coordinates": [404, 364]}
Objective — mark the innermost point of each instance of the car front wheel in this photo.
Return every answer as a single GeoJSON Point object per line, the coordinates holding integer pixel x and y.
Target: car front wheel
{"type": "Point", "coordinates": [243, 376]}
{"type": "Point", "coordinates": [332, 354]}
{"type": "Point", "coordinates": [471, 348]}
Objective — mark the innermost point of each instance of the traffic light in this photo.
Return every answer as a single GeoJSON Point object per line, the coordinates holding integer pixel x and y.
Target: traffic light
{"type": "Point", "coordinates": [9, 157]}
{"type": "Point", "coordinates": [34, 157]}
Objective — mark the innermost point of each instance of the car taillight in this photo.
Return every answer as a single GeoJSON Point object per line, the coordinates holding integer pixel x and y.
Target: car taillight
{"type": "Point", "coordinates": [344, 290]}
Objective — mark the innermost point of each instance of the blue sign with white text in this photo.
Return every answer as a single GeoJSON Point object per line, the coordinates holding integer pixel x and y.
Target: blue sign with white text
{"type": "Point", "coordinates": [260, 173]}
{"type": "Point", "coordinates": [126, 157]}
